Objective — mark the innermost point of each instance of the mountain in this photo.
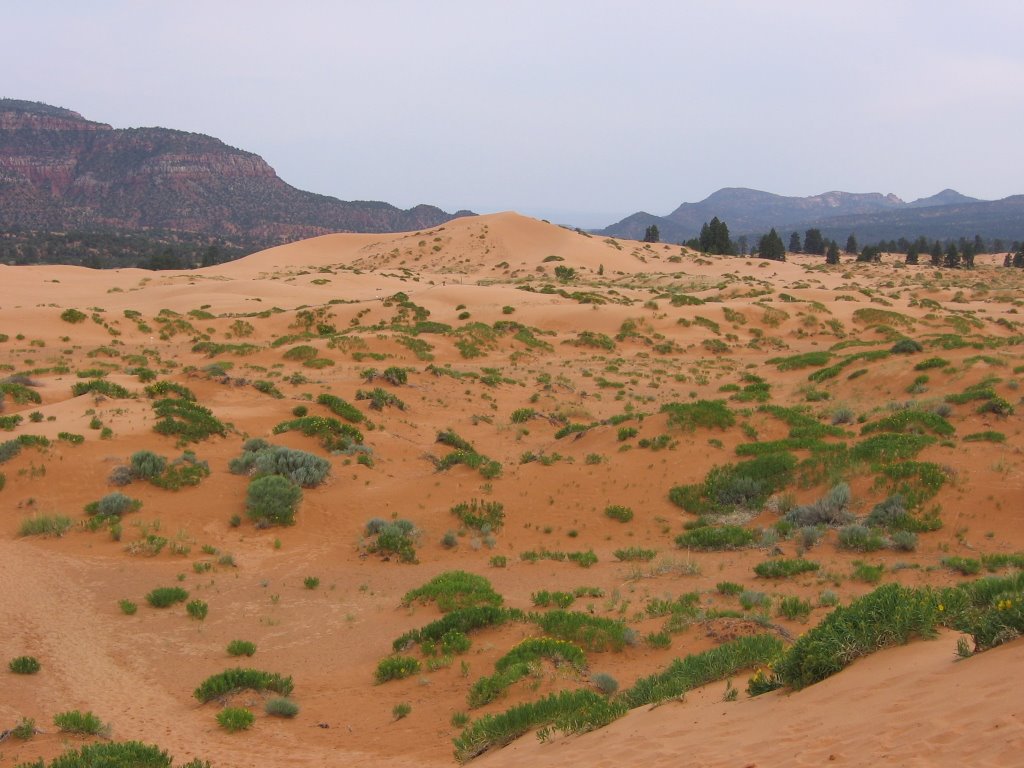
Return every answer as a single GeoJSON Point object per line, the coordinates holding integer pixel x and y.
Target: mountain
{"type": "Point", "coordinates": [872, 216]}
{"type": "Point", "coordinates": [60, 171]}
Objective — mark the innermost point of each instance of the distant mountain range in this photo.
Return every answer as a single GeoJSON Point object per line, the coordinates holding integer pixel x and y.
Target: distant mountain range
{"type": "Point", "coordinates": [871, 216]}
{"type": "Point", "coordinates": [60, 172]}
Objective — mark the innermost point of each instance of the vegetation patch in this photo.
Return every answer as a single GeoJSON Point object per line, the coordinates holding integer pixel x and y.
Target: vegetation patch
{"type": "Point", "coordinates": [241, 679]}
{"type": "Point", "coordinates": [454, 590]}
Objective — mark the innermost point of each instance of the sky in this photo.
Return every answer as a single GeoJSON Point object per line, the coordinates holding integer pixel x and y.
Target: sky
{"type": "Point", "coordinates": [579, 111]}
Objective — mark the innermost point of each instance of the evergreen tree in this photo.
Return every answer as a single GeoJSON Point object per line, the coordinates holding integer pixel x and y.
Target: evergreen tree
{"type": "Point", "coordinates": [913, 254]}
{"type": "Point", "coordinates": [770, 246]}
{"type": "Point", "coordinates": [936, 254]}
{"type": "Point", "coordinates": [967, 256]}
{"type": "Point", "coordinates": [741, 245]}
{"type": "Point", "coordinates": [814, 242]}
{"type": "Point", "coordinates": [651, 234]}
{"type": "Point", "coordinates": [851, 244]}
{"type": "Point", "coordinates": [794, 243]}
{"type": "Point", "coordinates": [952, 257]}
{"type": "Point", "coordinates": [714, 238]}
{"type": "Point", "coordinates": [832, 254]}
{"type": "Point", "coordinates": [1018, 257]}
{"type": "Point", "coordinates": [870, 253]}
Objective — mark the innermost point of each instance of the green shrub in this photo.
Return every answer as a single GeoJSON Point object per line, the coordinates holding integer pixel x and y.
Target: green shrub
{"type": "Point", "coordinates": [197, 609]}
{"type": "Point", "coordinates": [147, 465]}
{"type": "Point", "coordinates": [186, 420]}
{"type": "Point", "coordinates": [128, 607]}
{"type": "Point", "coordinates": [164, 597]}
{"type": "Point", "coordinates": [464, 620]}
{"type": "Point", "coordinates": [592, 633]}
{"type": "Point", "coordinates": [793, 608]}
{"type": "Point", "coordinates": [867, 573]}
{"type": "Point", "coordinates": [396, 668]}
{"type": "Point", "coordinates": [712, 537]}
{"type": "Point", "coordinates": [79, 722]}
{"type": "Point", "coordinates": [619, 512]}
{"type": "Point", "coordinates": [124, 754]}
{"type": "Point", "coordinates": [631, 554]}
{"type": "Point", "coordinates": [783, 568]}
{"type": "Point", "coordinates": [241, 648]}
{"type": "Point", "coordinates": [70, 437]}
{"type": "Point", "coordinates": [401, 711]}
{"type": "Point", "coordinates": [25, 729]}
{"type": "Point", "coordinates": [233, 719]}
{"type": "Point", "coordinates": [340, 408]}
{"type": "Point", "coordinates": [486, 516]}
{"type": "Point", "coordinates": [911, 420]}
{"type": "Point", "coordinates": [272, 500]}
{"type": "Point", "coordinates": [100, 387]}
{"type": "Point", "coordinates": [24, 665]}
{"type": "Point", "coordinates": [906, 347]}
{"type": "Point", "coordinates": [333, 435]}
{"type": "Point", "coordinates": [859, 538]}
{"type": "Point", "coordinates": [260, 458]}
{"type": "Point", "coordinates": [279, 707]}
{"type": "Point", "coordinates": [453, 590]}
{"type": "Point", "coordinates": [745, 485]}
{"type": "Point", "coordinates": [931, 362]}
{"type": "Point", "coordinates": [73, 316]}
{"type": "Point", "coordinates": [965, 566]}
{"type": "Point", "coordinates": [706, 414]}
{"type": "Point", "coordinates": [240, 679]}
{"type": "Point", "coordinates": [989, 436]}
{"type": "Point", "coordinates": [44, 525]}
{"type": "Point", "coordinates": [397, 537]}
{"type": "Point", "coordinates": [113, 505]}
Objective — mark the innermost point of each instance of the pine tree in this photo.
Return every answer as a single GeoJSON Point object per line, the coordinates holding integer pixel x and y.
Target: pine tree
{"type": "Point", "coordinates": [651, 234]}
{"type": "Point", "coordinates": [851, 244]}
{"type": "Point", "coordinates": [936, 254]}
{"type": "Point", "coordinates": [770, 246]}
{"type": "Point", "coordinates": [794, 243]}
{"type": "Point", "coordinates": [814, 242]}
{"type": "Point", "coordinates": [952, 257]}
{"type": "Point", "coordinates": [832, 254]}
{"type": "Point", "coordinates": [913, 253]}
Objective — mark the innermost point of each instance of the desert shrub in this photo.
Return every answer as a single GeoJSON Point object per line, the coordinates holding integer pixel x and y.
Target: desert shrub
{"type": "Point", "coordinates": [745, 485]}
{"type": "Point", "coordinates": [619, 512]}
{"type": "Point", "coordinates": [79, 722]}
{"type": "Point", "coordinates": [783, 568]}
{"type": "Point", "coordinates": [965, 566]}
{"type": "Point", "coordinates": [396, 668]}
{"type": "Point", "coordinates": [867, 573]}
{"type": "Point", "coordinates": [522, 415]}
{"type": "Point", "coordinates": [45, 525]}
{"type": "Point", "coordinates": [164, 597]}
{"type": "Point", "coordinates": [716, 537]}
{"type": "Point", "coordinates": [380, 398]}
{"type": "Point", "coordinates": [545, 599]}
{"type": "Point", "coordinates": [988, 436]}
{"type": "Point", "coordinates": [279, 707]}
{"type": "Point", "coordinates": [750, 599]}
{"type": "Point", "coordinates": [706, 414]}
{"type": "Point", "coordinates": [25, 729]}
{"type": "Point", "coordinates": [911, 420]}
{"type": "Point", "coordinates": [100, 387]}
{"type": "Point", "coordinates": [186, 420]}
{"type": "Point", "coordinates": [700, 669]}
{"type": "Point", "coordinates": [300, 353]}
{"type": "Point", "coordinates": [729, 588]}
{"type": "Point", "coordinates": [890, 447]}
{"type": "Point", "coordinates": [260, 458]}
{"type": "Point", "coordinates": [831, 509]}
{"type": "Point", "coordinates": [71, 315]}
{"type": "Point", "coordinates": [272, 500]}
{"type": "Point", "coordinates": [116, 754]}
{"type": "Point", "coordinates": [631, 554]}
{"type": "Point", "coordinates": [19, 392]}
{"type": "Point", "coordinates": [241, 648]}
{"type": "Point", "coordinates": [805, 360]}
{"type": "Point", "coordinates": [341, 408]}
{"type": "Point", "coordinates": [333, 435]}
{"type": "Point", "coordinates": [464, 620]}
{"type": "Point", "coordinates": [480, 515]}
{"type": "Point", "coordinates": [793, 608]}
{"type": "Point", "coordinates": [233, 719]}
{"type": "Point", "coordinates": [397, 537]}
{"type": "Point", "coordinates": [197, 609]}
{"type": "Point", "coordinates": [903, 541]}
{"type": "Point", "coordinates": [906, 347]}
{"type": "Point", "coordinates": [128, 607]}
{"type": "Point", "coordinates": [147, 465]}
{"type": "Point", "coordinates": [453, 590]}
{"type": "Point", "coordinates": [592, 633]}
{"type": "Point", "coordinates": [605, 683]}
{"type": "Point", "coordinates": [162, 389]}
{"type": "Point", "coordinates": [859, 538]}
{"type": "Point", "coordinates": [113, 505]}
{"type": "Point", "coordinates": [24, 665]}
{"type": "Point", "coordinates": [239, 679]}
{"type": "Point", "coordinates": [888, 616]}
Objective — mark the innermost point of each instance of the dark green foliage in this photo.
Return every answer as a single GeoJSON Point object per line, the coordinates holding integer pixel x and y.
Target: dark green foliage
{"type": "Point", "coordinates": [770, 246]}
{"type": "Point", "coordinates": [73, 316]}
{"type": "Point", "coordinates": [464, 620]}
{"type": "Point", "coordinates": [450, 438]}
{"type": "Point", "coordinates": [100, 387]}
{"type": "Point", "coordinates": [162, 389]}
{"type": "Point", "coordinates": [333, 435]}
{"type": "Point", "coordinates": [729, 588]}
{"type": "Point", "coordinates": [113, 505]}
{"type": "Point", "coordinates": [592, 633]}
{"type": "Point", "coordinates": [240, 679]}
{"type": "Point", "coordinates": [115, 754]}
{"type": "Point", "coordinates": [714, 238]}
{"type": "Point", "coordinates": [241, 648]}
{"type": "Point", "coordinates": [397, 537]}
{"type": "Point", "coordinates": [915, 481]}
{"type": "Point", "coordinates": [234, 719]}
{"type": "Point", "coordinates": [746, 485]}
{"type": "Point", "coordinates": [484, 516]}
{"type": "Point", "coordinates": [965, 566]}
{"type": "Point", "coordinates": [889, 447]}
{"type": "Point", "coordinates": [8, 450]}
{"type": "Point", "coordinates": [700, 669]}
{"type": "Point", "coordinates": [164, 597]}
{"type": "Point", "coordinates": [79, 722]}
{"type": "Point", "coordinates": [272, 500]}
{"type": "Point", "coordinates": [260, 458]}
{"type": "Point", "coordinates": [341, 408]}
{"type": "Point", "coordinates": [716, 537]}
{"type": "Point", "coordinates": [522, 415]}
{"type": "Point", "coordinates": [24, 665]}
{"type": "Point", "coordinates": [888, 616]}
{"type": "Point", "coordinates": [197, 609]}
{"type": "Point", "coordinates": [707, 414]}
{"type": "Point", "coordinates": [784, 568]}
{"type": "Point", "coordinates": [9, 423]}
{"type": "Point", "coordinates": [186, 420]}
{"type": "Point", "coordinates": [453, 590]}
{"type": "Point", "coordinates": [906, 347]}
{"type": "Point", "coordinates": [518, 662]}
{"type": "Point", "coordinates": [805, 360]}
{"type": "Point", "coordinates": [396, 668]}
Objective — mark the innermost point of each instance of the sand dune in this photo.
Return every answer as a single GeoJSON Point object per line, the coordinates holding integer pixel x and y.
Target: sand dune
{"type": "Point", "coordinates": [219, 331]}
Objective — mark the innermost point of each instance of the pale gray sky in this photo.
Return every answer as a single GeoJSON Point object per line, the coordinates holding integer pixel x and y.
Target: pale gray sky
{"type": "Point", "coordinates": [581, 111]}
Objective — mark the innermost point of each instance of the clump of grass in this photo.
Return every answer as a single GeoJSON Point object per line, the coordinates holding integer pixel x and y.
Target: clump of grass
{"type": "Point", "coordinates": [830, 509]}
{"type": "Point", "coordinates": [233, 719]}
{"type": "Point", "coordinates": [401, 711]}
{"type": "Point", "coordinates": [859, 538]}
{"type": "Point", "coordinates": [464, 620]}
{"type": "Point", "coordinates": [867, 573]}
{"type": "Point", "coordinates": [618, 512]}
{"type": "Point", "coordinates": [241, 648]}
{"type": "Point", "coordinates": [736, 486]}
{"type": "Point", "coordinates": [164, 597]}
{"type": "Point", "coordinates": [197, 609]}
{"type": "Point", "coordinates": [479, 515]}
{"type": "Point", "coordinates": [113, 505]}
{"type": "Point", "coordinates": [311, 582]}
{"type": "Point", "coordinates": [965, 566]}
{"type": "Point", "coordinates": [272, 500]}
{"type": "Point", "coordinates": [240, 679]}
{"type": "Point", "coordinates": [453, 590]}
{"type": "Point", "coordinates": [716, 537]}
{"type": "Point", "coordinates": [79, 722]}
{"type": "Point", "coordinates": [395, 537]}
{"type": "Point", "coordinates": [705, 414]}
{"type": "Point", "coordinates": [281, 707]}
{"type": "Point", "coordinates": [396, 668]}
{"type": "Point", "coordinates": [24, 665]}
{"type": "Point", "coordinates": [45, 525]}
{"type": "Point", "coordinates": [794, 608]}
{"type": "Point", "coordinates": [634, 554]}
{"type": "Point", "coordinates": [729, 588]}
{"type": "Point", "coordinates": [259, 458]}
{"type": "Point", "coordinates": [784, 568]}
{"type": "Point", "coordinates": [592, 633]}
{"type": "Point", "coordinates": [128, 607]}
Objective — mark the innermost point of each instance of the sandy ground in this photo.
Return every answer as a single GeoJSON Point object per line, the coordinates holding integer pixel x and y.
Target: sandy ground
{"type": "Point", "coordinates": [908, 706]}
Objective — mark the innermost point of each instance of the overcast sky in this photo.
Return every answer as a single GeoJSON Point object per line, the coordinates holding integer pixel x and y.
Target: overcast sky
{"type": "Point", "coordinates": [581, 111]}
